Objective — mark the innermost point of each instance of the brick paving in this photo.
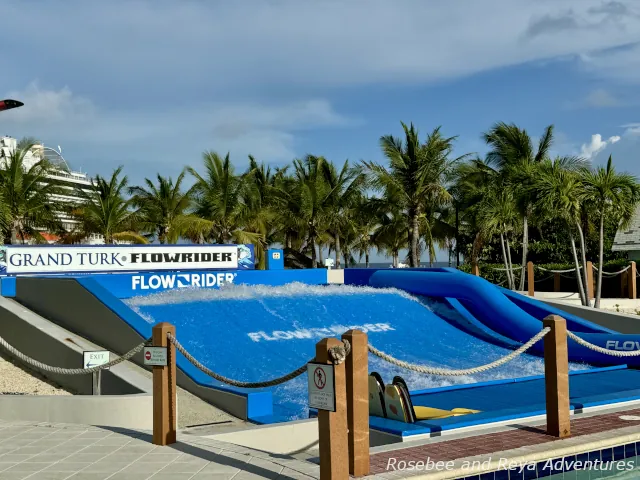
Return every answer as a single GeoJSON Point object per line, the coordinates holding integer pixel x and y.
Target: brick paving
{"type": "Point", "coordinates": [497, 442]}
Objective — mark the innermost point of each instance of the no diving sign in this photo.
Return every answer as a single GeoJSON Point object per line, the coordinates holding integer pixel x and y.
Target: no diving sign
{"type": "Point", "coordinates": [322, 387]}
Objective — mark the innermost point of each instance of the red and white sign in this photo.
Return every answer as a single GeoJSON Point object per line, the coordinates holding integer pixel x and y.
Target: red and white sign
{"type": "Point", "coordinates": [322, 388]}
{"type": "Point", "coordinates": [155, 356]}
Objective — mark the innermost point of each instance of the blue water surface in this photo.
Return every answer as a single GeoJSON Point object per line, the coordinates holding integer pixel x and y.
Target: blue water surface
{"type": "Point", "coordinates": [255, 333]}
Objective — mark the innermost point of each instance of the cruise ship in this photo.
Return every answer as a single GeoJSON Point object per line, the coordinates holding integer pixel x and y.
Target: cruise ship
{"type": "Point", "coordinates": [63, 175]}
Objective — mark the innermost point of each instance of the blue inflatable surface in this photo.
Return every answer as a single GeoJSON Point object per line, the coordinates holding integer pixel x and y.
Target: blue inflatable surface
{"type": "Point", "coordinates": [256, 333]}
{"type": "Point", "coordinates": [507, 313]}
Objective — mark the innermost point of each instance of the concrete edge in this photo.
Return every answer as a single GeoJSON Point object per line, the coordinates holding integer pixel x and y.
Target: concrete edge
{"type": "Point", "coordinates": [621, 322]}
{"type": "Point", "coordinates": [133, 411]}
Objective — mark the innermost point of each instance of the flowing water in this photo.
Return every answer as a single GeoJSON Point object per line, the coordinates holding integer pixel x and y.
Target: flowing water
{"type": "Point", "coordinates": [255, 333]}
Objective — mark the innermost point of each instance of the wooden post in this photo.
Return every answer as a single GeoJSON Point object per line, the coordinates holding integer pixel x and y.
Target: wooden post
{"type": "Point", "coordinates": [164, 388]}
{"type": "Point", "coordinates": [530, 280]}
{"type": "Point", "coordinates": [633, 293]}
{"type": "Point", "coordinates": [590, 279]}
{"type": "Point", "coordinates": [357, 371]}
{"type": "Point", "coordinates": [556, 377]}
{"type": "Point", "coordinates": [475, 270]}
{"type": "Point", "coordinates": [332, 426]}
{"type": "Point", "coordinates": [556, 282]}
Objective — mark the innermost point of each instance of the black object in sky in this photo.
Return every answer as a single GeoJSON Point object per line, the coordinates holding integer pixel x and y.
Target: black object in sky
{"type": "Point", "coordinates": [9, 104]}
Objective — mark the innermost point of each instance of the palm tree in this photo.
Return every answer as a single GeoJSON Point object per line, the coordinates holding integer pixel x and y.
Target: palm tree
{"type": "Point", "coordinates": [25, 198]}
{"type": "Point", "coordinates": [343, 193]}
{"type": "Point", "coordinates": [613, 194]}
{"type": "Point", "coordinates": [560, 195]}
{"type": "Point", "coordinates": [365, 227]}
{"type": "Point", "coordinates": [498, 214]}
{"type": "Point", "coordinates": [512, 152]}
{"type": "Point", "coordinates": [309, 199]}
{"type": "Point", "coordinates": [162, 207]}
{"type": "Point", "coordinates": [416, 171]}
{"type": "Point", "coordinates": [391, 231]}
{"type": "Point", "coordinates": [474, 181]}
{"type": "Point", "coordinates": [105, 211]}
{"type": "Point", "coordinates": [222, 213]}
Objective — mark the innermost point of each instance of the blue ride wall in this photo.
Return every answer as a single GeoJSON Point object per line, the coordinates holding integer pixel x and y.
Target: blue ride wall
{"type": "Point", "coordinates": [111, 289]}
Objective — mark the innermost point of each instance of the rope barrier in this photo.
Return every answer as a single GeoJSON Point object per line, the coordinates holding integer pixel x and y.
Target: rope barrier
{"type": "Point", "coordinates": [515, 269]}
{"type": "Point", "coordinates": [612, 274]}
{"type": "Point", "coordinates": [467, 371]}
{"type": "Point", "coordinates": [557, 271]}
{"type": "Point", "coordinates": [70, 371]}
{"type": "Point", "coordinates": [606, 351]}
{"type": "Point", "coordinates": [545, 279]}
{"type": "Point", "coordinates": [338, 355]}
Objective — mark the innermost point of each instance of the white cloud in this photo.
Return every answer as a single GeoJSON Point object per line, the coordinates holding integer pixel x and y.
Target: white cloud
{"type": "Point", "coordinates": [590, 150]}
{"type": "Point", "coordinates": [266, 130]}
{"type": "Point", "coordinates": [226, 45]}
{"type": "Point", "coordinates": [601, 98]}
{"type": "Point", "coordinates": [49, 106]}
{"type": "Point", "coordinates": [631, 129]}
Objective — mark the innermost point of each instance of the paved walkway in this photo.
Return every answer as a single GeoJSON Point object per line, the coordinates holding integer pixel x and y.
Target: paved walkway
{"type": "Point", "coordinates": [43, 451]}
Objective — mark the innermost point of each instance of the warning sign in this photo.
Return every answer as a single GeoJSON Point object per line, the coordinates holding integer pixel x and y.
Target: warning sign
{"type": "Point", "coordinates": [156, 356]}
{"type": "Point", "coordinates": [322, 389]}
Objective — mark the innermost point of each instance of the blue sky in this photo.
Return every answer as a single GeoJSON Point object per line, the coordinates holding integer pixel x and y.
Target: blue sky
{"type": "Point", "coordinates": [151, 85]}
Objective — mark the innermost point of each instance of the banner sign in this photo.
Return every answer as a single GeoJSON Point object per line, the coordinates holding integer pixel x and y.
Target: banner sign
{"type": "Point", "coordinates": [127, 285]}
{"type": "Point", "coordinates": [53, 259]}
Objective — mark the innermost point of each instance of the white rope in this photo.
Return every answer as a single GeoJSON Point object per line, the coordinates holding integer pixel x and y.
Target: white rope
{"type": "Point", "coordinates": [507, 269]}
{"type": "Point", "coordinates": [467, 371]}
{"type": "Point", "coordinates": [606, 351]}
{"type": "Point", "coordinates": [70, 371]}
{"type": "Point", "coordinates": [612, 274]}
{"type": "Point", "coordinates": [557, 271]}
{"type": "Point", "coordinates": [338, 355]}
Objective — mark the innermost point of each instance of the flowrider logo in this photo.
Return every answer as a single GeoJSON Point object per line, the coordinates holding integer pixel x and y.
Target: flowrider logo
{"type": "Point", "coordinates": [617, 345]}
{"type": "Point", "coordinates": [180, 280]}
{"type": "Point", "coordinates": [317, 332]}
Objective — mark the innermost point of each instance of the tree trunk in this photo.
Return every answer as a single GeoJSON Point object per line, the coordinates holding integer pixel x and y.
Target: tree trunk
{"type": "Point", "coordinates": [583, 248]}
{"type": "Point", "coordinates": [366, 258]}
{"type": "Point", "coordinates": [506, 262]}
{"type": "Point", "coordinates": [320, 257]}
{"type": "Point", "coordinates": [525, 247]}
{"type": "Point", "coordinates": [338, 251]}
{"type": "Point", "coordinates": [414, 236]}
{"type": "Point", "coordinates": [289, 243]}
{"type": "Point", "coordinates": [600, 260]}
{"type": "Point", "coordinates": [346, 258]}
{"type": "Point", "coordinates": [14, 235]}
{"type": "Point", "coordinates": [430, 257]}
{"type": "Point", "coordinates": [312, 240]}
{"type": "Point", "coordinates": [450, 252]}
{"type": "Point", "coordinates": [513, 277]}
{"type": "Point", "coordinates": [577, 265]}
{"type": "Point", "coordinates": [394, 259]}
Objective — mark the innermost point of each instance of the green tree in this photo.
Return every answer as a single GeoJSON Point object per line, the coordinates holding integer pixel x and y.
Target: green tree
{"type": "Point", "coordinates": [162, 207]}
{"type": "Point", "coordinates": [222, 213]}
{"type": "Point", "coordinates": [343, 190]}
{"type": "Point", "coordinates": [614, 195]}
{"type": "Point", "coordinates": [105, 211]}
{"type": "Point", "coordinates": [498, 214]}
{"type": "Point", "coordinates": [513, 153]}
{"type": "Point", "coordinates": [416, 171]}
{"type": "Point", "coordinates": [27, 202]}
{"type": "Point", "coordinates": [560, 195]}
